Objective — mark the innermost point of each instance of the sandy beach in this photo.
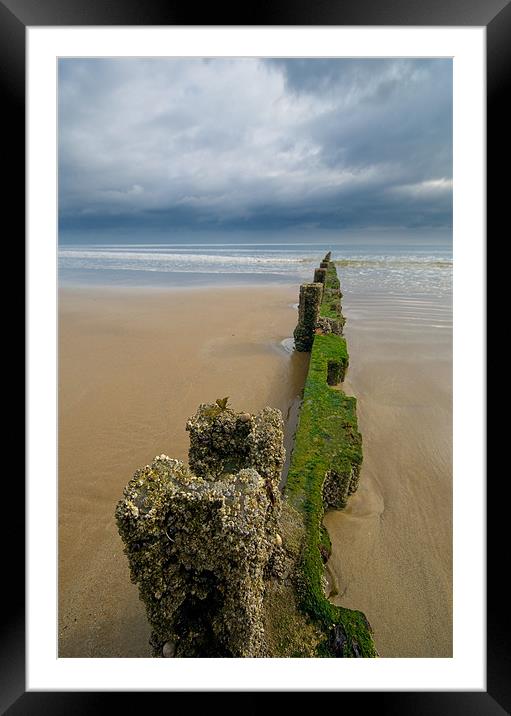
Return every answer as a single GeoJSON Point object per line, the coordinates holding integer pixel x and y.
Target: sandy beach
{"type": "Point", "coordinates": [134, 365]}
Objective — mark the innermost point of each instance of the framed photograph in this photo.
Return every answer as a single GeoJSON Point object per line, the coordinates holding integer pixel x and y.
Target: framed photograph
{"type": "Point", "coordinates": [193, 192]}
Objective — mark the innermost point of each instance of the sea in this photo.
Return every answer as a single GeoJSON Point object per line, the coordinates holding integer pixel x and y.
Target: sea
{"type": "Point", "coordinates": [392, 267]}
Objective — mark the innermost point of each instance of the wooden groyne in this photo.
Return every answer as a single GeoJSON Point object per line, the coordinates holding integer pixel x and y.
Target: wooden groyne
{"type": "Point", "coordinates": [325, 463]}
{"type": "Point", "coordinates": [228, 566]}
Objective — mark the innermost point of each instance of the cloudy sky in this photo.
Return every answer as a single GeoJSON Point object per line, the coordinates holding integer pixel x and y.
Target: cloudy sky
{"type": "Point", "coordinates": [151, 145]}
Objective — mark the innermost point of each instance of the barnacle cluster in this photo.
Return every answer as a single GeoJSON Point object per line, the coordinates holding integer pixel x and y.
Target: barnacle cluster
{"type": "Point", "coordinates": [200, 539]}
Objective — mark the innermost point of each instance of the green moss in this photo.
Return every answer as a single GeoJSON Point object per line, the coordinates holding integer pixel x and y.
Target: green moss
{"type": "Point", "coordinates": [327, 439]}
{"type": "Point", "coordinates": [328, 347]}
{"type": "Point", "coordinates": [328, 311]}
{"type": "Point", "coordinates": [330, 304]}
{"type": "Point", "coordinates": [289, 631]}
{"type": "Point", "coordinates": [332, 280]}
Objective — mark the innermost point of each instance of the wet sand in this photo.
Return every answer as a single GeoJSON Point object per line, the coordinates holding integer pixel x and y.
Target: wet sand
{"type": "Point", "coordinates": [133, 366]}
{"type": "Point", "coordinates": [392, 545]}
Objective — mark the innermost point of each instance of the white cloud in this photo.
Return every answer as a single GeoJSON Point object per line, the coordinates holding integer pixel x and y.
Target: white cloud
{"type": "Point", "coordinates": [428, 189]}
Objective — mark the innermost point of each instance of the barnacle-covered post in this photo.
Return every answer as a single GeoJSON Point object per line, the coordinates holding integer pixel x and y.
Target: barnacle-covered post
{"type": "Point", "coordinates": [342, 479]}
{"type": "Point", "coordinates": [199, 539]}
{"type": "Point", "coordinates": [308, 313]}
{"type": "Point", "coordinates": [320, 275]}
{"type": "Point", "coordinates": [335, 372]}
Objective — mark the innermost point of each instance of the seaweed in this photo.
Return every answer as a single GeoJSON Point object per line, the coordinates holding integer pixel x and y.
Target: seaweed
{"type": "Point", "coordinates": [323, 472]}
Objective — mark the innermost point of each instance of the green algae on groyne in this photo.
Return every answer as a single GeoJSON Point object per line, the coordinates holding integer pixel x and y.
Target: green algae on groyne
{"type": "Point", "coordinates": [226, 565]}
{"type": "Point", "coordinates": [324, 471]}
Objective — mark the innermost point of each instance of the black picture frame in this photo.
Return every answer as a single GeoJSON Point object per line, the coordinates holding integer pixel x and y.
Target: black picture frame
{"type": "Point", "coordinates": [15, 17]}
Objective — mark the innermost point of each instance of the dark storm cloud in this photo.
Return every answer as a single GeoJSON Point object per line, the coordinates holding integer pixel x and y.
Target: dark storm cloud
{"type": "Point", "coordinates": [248, 143]}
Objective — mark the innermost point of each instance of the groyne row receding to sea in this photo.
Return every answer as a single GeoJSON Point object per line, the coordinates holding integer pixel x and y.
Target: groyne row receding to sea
{"type": "Point", "coordinates": [227, 563]}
